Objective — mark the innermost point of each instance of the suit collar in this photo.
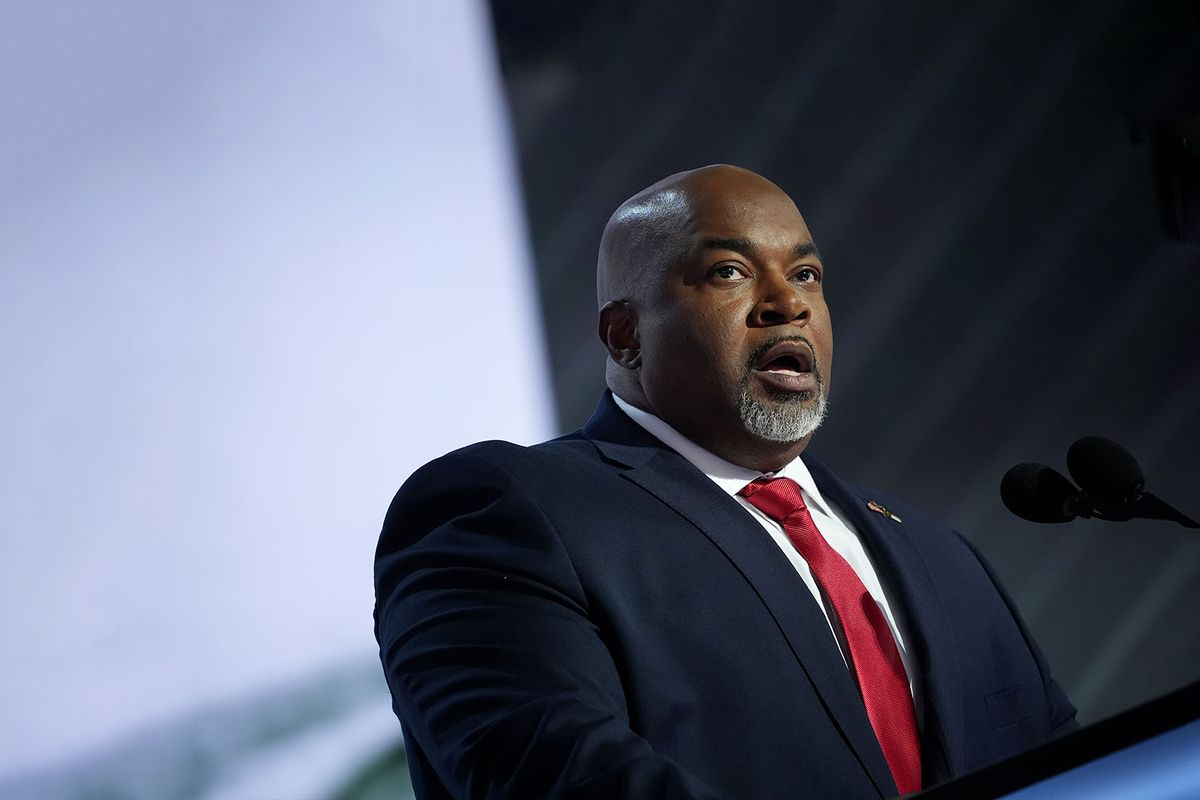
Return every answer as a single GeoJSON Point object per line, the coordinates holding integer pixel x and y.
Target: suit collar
{"type": "Point", "coordinates": [677, 483]}
{"type": "Point", "coordinates": [618, 438]}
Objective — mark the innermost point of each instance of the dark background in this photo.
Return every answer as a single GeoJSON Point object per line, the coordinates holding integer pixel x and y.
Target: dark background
{"type": "Point", "coordinates": [1005, 195]}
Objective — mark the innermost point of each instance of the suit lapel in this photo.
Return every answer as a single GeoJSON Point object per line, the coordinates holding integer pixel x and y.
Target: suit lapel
{"type": "Point", "coordinates": [904, 572]}
{"type": "Point", "coordinates": [677, 483]}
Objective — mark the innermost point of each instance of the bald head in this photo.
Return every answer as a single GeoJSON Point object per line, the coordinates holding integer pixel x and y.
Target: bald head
{"type": "Point", "coordinates": [653, 228]}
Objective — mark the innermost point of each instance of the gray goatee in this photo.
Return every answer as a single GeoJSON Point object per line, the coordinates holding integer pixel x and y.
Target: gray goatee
{"type": "Point", "coordinates": [789, 419]}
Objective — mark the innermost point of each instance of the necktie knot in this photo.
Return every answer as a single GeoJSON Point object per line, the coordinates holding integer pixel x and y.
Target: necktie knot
{"type": "Point", "coordinates": [778, 498]}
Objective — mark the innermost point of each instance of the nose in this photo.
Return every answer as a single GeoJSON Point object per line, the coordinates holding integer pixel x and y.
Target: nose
{"type": "Point", "coordinates": [779, 302]}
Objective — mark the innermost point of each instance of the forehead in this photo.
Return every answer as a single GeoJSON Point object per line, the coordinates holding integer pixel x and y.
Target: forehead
{"type": "Point", "coordinates": [752, 210]}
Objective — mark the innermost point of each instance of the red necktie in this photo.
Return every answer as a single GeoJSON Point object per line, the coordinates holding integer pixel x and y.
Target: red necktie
{"type": "Point", "coordinates": [873, 653]}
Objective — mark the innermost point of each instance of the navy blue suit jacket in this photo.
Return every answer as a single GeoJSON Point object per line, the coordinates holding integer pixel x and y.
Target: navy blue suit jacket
{"type": "Point", "coordinates": [593, 617]}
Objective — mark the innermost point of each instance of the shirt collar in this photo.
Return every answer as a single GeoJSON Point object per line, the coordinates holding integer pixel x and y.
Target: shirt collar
{"type": "Point", "coordinates": [730, 477]}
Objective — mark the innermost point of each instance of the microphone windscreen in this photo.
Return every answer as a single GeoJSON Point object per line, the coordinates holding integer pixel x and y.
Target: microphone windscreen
{"type": "Point", "coordinates": [1105, 470]}
{"type": "Point", "coordinates": [1038, 493]}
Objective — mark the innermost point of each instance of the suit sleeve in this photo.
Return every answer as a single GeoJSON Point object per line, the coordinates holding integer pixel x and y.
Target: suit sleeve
{"type": "Point", "coordinates": [494, 666]}
{"type": "Point", "coordinates": [1061, 710]}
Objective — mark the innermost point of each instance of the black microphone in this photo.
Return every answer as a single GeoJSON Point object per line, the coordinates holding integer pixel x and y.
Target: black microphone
{"type": "Point", "coordinates": [1040, 494]}
{"type": "Point", "coordinates": [1114, 483]}
{"type": "Point", "coordinates": [1113, 488]}
{"type": "Point", "coordinates": [1106, 470]}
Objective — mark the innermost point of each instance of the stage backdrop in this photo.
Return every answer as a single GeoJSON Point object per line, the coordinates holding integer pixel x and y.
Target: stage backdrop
{"type": "Point", "coordinates": [258, 261]}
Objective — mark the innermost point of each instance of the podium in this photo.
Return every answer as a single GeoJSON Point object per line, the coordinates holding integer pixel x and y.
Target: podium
{"type": "Point", "coordinates": [1151, 752]}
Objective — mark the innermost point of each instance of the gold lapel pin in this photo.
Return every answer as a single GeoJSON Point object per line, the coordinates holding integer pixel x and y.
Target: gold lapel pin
{"type": "Point", "coordinates": [878, 509]}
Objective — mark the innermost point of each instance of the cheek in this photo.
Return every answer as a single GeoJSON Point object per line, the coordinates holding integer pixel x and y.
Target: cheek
{"type": "Point", "coordinates": [722, 337]}
{"type": "Point", "coordinates": [680, 347]}
{"type": "Point", "coordinates": [825, 325]}
{"type": "Point", "coordinates": [825, 345]}
{"type": "Point", "coordinates": [706, 342]}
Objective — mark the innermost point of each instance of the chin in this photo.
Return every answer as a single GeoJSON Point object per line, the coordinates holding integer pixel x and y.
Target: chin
{"type": "Point", "coordinates": [786, 419]}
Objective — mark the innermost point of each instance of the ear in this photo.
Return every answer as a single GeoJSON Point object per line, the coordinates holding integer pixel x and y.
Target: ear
{"type": "Point", "coordinates": [618, 332]}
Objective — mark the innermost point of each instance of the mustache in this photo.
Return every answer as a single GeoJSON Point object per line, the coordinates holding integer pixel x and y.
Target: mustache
{"type": "Point", "coordinates": [761, 351]}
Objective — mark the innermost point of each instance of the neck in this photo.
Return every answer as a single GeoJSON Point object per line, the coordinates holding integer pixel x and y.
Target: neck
{"type": "Point", "coordinates": [736, 445]}
{"type": "Point", "coordinates": [759, 455]}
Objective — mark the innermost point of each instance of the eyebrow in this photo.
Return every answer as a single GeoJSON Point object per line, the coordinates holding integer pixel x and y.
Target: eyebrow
{"type": "Point", "coordinates": [748, 249]}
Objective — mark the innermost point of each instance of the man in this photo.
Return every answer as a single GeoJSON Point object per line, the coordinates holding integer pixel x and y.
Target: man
{"type": "Point", "coordinates": [672, 602]}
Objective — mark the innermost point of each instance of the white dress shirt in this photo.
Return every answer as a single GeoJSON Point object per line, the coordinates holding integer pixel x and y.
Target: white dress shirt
{"type": "Point", "coordinates": [830, 522]}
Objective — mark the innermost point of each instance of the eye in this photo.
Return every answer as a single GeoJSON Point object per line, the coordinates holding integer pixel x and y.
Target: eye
{"type": "Point", "coordinates": [807, 275]}
{"type": "Point", "coordinates": [727, 273]}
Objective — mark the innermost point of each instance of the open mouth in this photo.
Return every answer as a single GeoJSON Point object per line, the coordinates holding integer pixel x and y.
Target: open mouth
{"type": "Point", "coordinates": [787, 365]}
{"type": "Point", "coordinates": [789, 357]}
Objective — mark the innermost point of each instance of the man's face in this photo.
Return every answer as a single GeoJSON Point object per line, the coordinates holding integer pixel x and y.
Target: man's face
{"type": "Point", "coordinates": [735, 337]}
